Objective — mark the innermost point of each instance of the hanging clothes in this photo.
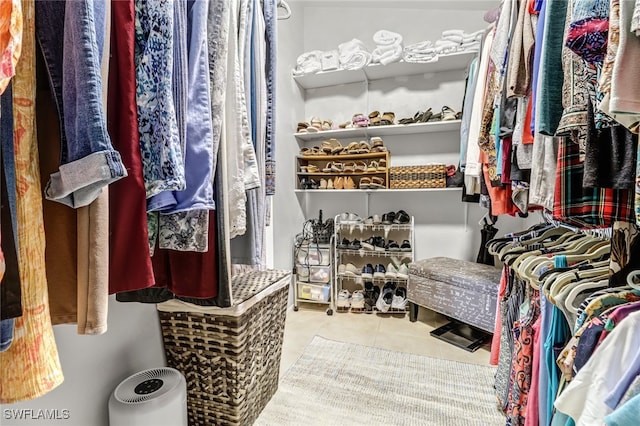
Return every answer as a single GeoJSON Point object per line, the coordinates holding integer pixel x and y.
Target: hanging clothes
{"type": "Point", "coordinates": [30, 367]}
{"type": "Point", "coordinates": [10, 40]}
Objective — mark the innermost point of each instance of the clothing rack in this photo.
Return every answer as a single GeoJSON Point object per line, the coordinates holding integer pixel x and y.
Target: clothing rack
{"type": "Point", "coordinates": [604, 232]}
{"type": "Point", "coordinates": [282, 4]}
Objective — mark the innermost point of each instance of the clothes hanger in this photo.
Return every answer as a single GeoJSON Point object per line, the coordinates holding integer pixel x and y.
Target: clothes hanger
{"type": "Point", "coordinates": [574, 277]}
{"type": "Point", "coordinates": [282, 4]}
{"type": "Point", "coordinates": [633, 279]}
{"type": "Point", "coordinates": [579, 288]}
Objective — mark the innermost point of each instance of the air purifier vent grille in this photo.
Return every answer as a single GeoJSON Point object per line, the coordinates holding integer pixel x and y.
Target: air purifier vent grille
{"type": "Point", "coordinates": [146, 385]}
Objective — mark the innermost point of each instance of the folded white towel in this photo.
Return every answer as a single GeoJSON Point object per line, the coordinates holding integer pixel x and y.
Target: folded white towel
{"type": "Point", "coordinates": [446, 43]}
{"type": "Point", "coordinates": [329, 60]}
{"type": "Point", "coordinates": [350, 46]}
{"type": "Point", "coordinates": [384, 37]}
{"type": "Point", "coordinates": [447, 48]}
{"type": "Point", "coordinates": [473, 46]}
{"type": "Point", "coordinates": [387, 56]}
{"type": "Point", "coordinates": [357, 60]}
{"type": "Point", "coordinates": [454, 38]}
{"type": "Point", "coordinates": [452, 32]}
{"type": "Point", "coordinates": [415, 57]}
{"type": "Point", "coordinates": [421, 47]}
{"type": "Point", "coordinates": [353, 55]}
{"type": "Point", "coordinates": [308, 63]}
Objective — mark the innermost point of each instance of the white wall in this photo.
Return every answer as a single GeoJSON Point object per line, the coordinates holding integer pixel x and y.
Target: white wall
{"type": "Point", "coordinates": [445, 226]}
{"type": "Point", "coordinates": [94, 365]}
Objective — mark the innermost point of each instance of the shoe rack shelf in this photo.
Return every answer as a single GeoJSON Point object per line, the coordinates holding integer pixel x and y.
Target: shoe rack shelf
{"type": "Point", "coordinates": [454, 61]}
{"type": "Point", "coordinates": [352, 281]}
{"type": "Point", "coordinates": [321, 161]}
{"type": "Point", "coordinates": [391, 130]}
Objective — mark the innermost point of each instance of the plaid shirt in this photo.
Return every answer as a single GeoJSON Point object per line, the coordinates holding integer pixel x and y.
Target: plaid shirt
{"type": "Point", "coordinates": [586, 207]}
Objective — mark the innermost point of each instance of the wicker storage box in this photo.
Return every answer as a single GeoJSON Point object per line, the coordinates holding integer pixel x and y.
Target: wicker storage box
{"type": "Point", "coordinates": [427, 176]}
{"type": "Point", "coordinates": [229, 356]}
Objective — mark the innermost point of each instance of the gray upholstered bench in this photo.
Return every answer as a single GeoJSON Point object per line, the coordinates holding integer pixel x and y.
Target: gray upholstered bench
{"type": "Point", "coordinates": [464, 291]}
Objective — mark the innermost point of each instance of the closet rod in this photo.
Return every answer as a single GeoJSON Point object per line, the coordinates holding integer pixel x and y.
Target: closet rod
{"type": "Point", "coordinates": [284, 5]}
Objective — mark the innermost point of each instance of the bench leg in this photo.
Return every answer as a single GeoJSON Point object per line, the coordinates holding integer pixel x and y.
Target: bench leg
{"type": "Point", "coordinates": [413, 312]}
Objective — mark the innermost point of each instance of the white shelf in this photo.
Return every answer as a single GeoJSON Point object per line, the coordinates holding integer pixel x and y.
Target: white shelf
{"type": "Point", "coordinates": [454, 61]}
{"type": "Point", "coordinates": [374, 191]}
{"type": "Point", "coordinates": [395, 129]}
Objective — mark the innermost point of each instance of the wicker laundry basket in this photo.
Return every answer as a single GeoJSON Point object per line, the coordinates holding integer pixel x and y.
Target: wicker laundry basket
{"type": "Point", "coordinates": [412, 177]}
{"type": "Point", "coordinates": [229, 356]}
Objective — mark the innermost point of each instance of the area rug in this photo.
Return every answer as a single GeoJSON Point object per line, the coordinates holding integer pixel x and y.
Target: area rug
{"type": "Point", "coordinates": [335, 383]}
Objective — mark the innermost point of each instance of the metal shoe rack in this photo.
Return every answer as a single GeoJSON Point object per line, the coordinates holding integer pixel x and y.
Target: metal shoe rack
{"type": "Point", "coordinates": [313, 275]}
{"type": "Point", "coordinates": [360, 257]}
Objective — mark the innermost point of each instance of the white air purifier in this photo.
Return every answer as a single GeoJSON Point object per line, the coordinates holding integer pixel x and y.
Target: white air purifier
{"type": "Point", "coordinates": [154, 397]}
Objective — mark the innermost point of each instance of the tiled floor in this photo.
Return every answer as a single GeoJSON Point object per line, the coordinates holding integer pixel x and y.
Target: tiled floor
{"type": "Point", "coordinates": [382, 331]}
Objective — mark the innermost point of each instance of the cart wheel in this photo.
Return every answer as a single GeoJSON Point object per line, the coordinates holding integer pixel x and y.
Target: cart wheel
{"type": "Point", "coordinates": [329, 312]}
{"type": "Point", "coordinates": [295, 309]}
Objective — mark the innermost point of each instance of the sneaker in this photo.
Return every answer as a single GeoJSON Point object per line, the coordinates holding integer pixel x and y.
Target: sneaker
{"type": "Point", "coordinates": [376, 219]}
{"type": "Point", "coordinates": [405, 246]}
{"type": "Point", "coordinates": [344, 244]}
{"type": "Point", "coordinates": [355, 245]}
{"type": "Point", "coordinates": [350, 270]}
{"type": "Point", "coordinates": [399, 300]}
{"type": "Point", "coordinates": [367, 271]}
{"type": "Point", "coordinates": [392, 246]}
{"type": "Point", "coordinates": [379, 271]}
{"type": "Point", "coordinates": [341, 269]}
{"type": "Point", "coordinates": [379, 244]}
{"type": "Point", "coordinates": [403, 272]}
{"type": "Point", "coordinates": [357, 300]}
{"type": "Point", "coordinates": [368, 244]}
{"type": "Point", "coordinates": [392, 271]}
{"type": "Point", "coordinates": [383, 302]}
{"type": "Point", "coordinates": [349, 218]}
{"type": "Point", "coordinates": [344, 299]}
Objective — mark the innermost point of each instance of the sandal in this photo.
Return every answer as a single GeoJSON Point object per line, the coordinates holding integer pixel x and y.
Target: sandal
{"type": "Point", "coordinates": [364, 183]}
{"type": "Point", "coordinates": [376, 141]}
{"type": "Point", "coordinates": [387, 119]}
{"type": "Point", "coordinates": [327, 124]}
{"type": "Point", "coordinates": [448, 114]}
{"type": "Point", "coordinates": [332, 146]}
{"type": "Point", "coordinates": [353, 148]}
{"type": "Point", "coordinates": [302, 127]}
{"type": "Point", "coordinates": [316, 123]}
{"type": "Point", "coordinates": [349, 167]}
{"type": "Point", "coordinates": [373, 166]}
{"type": "Point", "coordinates": [382, 165]}
{"type": "Point", "coordinates": [360, 167]}
{"type": "Point", "coordinates": [377, 183]}
{"type": "Point", "coordinates": [311, 168]}
{"type": "Point", "coordinates": [425, 116]}
{"type": "Point", "coordinates": [379, 149]}
{"type": "Point", "coordinates": [360, 120]}
{"type": "Point", "coordinates": [363, 148]}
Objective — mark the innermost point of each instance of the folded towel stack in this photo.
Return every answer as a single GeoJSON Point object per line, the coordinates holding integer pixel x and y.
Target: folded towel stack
{"type": "Point", "coordinates": [421, 52]}
{"type": "Point", "coordinates": [460, 39]}
{"type": "Point", "coordinates": [308, 63]}
{"type": "Point", "coordinates": [353, 55]}
{"type": "Point", "coordinates": [389, 47]}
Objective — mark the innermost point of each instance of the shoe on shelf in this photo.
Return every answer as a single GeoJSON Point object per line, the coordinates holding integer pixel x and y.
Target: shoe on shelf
{"type": "Point", "coordinates": [376, 219]}
{"type": "Point", "coordinates": [405, 246]}
{"type": "Point", "coordinates": [392, 271]}
{"type": "Point", "coordinates": [344, 299]}
{"type": "Point", "coordinates": [401, 218]}
{"type": "Point", "coordinates": [388, 218]}
{"type": "Point", "coordinates": [371, 294]}
{"type": "Point", "coordinates": [383, 303]}
{"type": "Point", "coordinates": [357, 300]}
{"type": "Point", "coordinates": [379, 244]}
{"type": "Point", "coordinates": [349, 218]}
{"type": "Point", "coordinates": [367, 272]}
{"type": "Point", "coordinates": [376, 141]}
{"type": "Point", "coordinates": [344, 244]}
{"type": "Point", "coordinates": [338, 183]}
{"type": "Point", "coordinates": [379, 271]}
{"type": "Point", "coordinates": [323, 183]}
{"type": "Point", "coordinates": [330, 184]}
{"type": "Point", "coordinates": [341, 268]}
{"type": "Point", "coordinates": [355, 245]}
{"type": "Point", "coordinates": [403, 272]}
{"type": "Point", "coordinates": [392, 246]}
{"type": "Point", "coordinates": [368, 244]}
{"type": "Point", "coordinates": [399, 300]}
{"type": "Point", "coordinates": [349, 183]}
{"type": "Point", "coordinates": [350, 270]}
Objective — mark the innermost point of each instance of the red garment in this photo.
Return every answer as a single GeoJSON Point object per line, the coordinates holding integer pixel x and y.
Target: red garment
{"type": "Point", "coordinates": [501, 202]}
{"type": "Point", "coordinates": [527, 135]}
{"type": "Point", "coordinates": [497, 330]}
{"type": "Point", "coordinates": [189, 273]}
{"type": "Point", "coordinates": [129, 258]}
